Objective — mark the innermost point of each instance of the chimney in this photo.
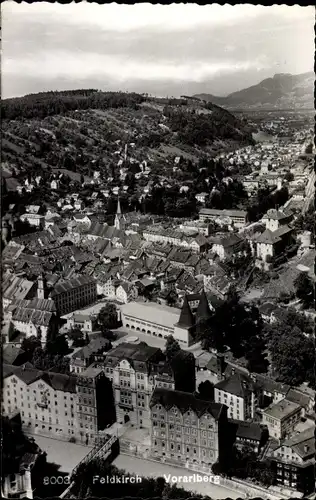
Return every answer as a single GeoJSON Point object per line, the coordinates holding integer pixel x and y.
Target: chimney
{"type": "Point", "coordinates": [306, 448]}
{"type": "Point", "coordinates": [233, 371]}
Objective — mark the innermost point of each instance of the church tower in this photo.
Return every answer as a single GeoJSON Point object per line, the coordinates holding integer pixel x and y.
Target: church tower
{"type": "Point", "coordinates": [41, 287]}
{"type": "Point", "coordinates": [184, 329]}
{"type": "Point", "coordinates": [119, 221]}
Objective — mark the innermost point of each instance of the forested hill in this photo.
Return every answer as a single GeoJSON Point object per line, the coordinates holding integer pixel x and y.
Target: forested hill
{"type": "Point", "coordinates": [154, 121]}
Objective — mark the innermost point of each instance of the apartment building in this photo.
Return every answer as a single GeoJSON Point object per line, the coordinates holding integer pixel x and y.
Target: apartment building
{"type": "Point", "coordinates": [54, 404]}
{"type": "Point", "coordinates": [135, 371]}
{"type": "Point", "coordinates": [240, 394]}
{"type": "Point", "coordinates": [74, 294]}
{"type": "Point", "coordinates": [185, 429]}
{"type": "Point", "coordinates": [281, 418]}
{"type": "Point", "coordinates": [294, 462]}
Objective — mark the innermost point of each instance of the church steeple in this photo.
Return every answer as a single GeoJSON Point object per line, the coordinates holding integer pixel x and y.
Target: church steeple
{"type": "Point", "coordinates": [186, 319]}
{"type": "Point", "coordinates": [203, 311]}
{"type": "Point", "coordinates": [119, 221]}
{"type": "Point", "coordinates": [41, 287]}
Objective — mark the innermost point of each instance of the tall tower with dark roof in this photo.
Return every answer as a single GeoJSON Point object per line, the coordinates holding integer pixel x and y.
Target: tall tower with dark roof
{"type": "Point", "coordinates": [203, 311]}
{"type": "Point", "coordinates": [186, 319]}
{"type": "Point", "coordinates": [119, 222]}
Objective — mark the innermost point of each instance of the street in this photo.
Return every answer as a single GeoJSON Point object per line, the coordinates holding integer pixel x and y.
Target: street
{"type": "Point", "coordinates": [148, 468]}
{"type": "Point", "coordinates": [62, 453]}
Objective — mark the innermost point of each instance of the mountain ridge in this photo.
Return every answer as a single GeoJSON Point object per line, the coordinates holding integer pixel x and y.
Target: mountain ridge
{"type": "Point", "coordinates": [283, 91]}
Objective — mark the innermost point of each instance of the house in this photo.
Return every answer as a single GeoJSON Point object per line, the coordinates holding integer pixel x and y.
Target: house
{"type": "Point", "coordinates": [225, 246]}
{"type": "Point", "coordinates": [200, 197]}
{"type": "Point", "coordinates": [16, 288]}
{"type": "Point", "coordinates": [271, 243]}
{"type": "Point", "coordinates": [36, 317]}
{"type": "Point", "coordinates": [54, 184]}
{"type": "Point", "coordinates": [240, 394]}
{"type": "Point", "coordinates": [294, 462]}
{"type": "Point", "coordinates": [126, 292]}
{"type": "Point", "coordinates": [267, 311]}
{"type": "Point", "coordinates": [79, 205]}
{"type": "Point", "coordinates": [281, 418]}
{"type": "Point", "coordinates": [274, 219]}
{"type": "Point", "coordinates": [34, 216]}
{"type": "Point", "coordinates": [250, 434]}
{"type": "Point", "coordinates": [14, 355]}
{"type": "Point", "coordinates": [88, 354]}
{"type": "Point", "coordinates": [86, 323]}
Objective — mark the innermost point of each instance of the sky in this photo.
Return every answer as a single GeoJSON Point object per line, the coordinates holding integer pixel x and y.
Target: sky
{"type": "Point", "coordinates": [163, 50]}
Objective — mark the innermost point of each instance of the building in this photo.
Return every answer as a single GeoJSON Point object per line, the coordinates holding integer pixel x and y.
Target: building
{"type": "Point", "coordinates": [34, 216]}
{"type": "Point", "coordinates": [185, 429]}
{"type": "Point", "coordinates": [200, 197]}
{"type": "Point", "coordinates": [57, 405]}
{"type": "Point", "coordinates": [73, 294]}
{"type": "Point", "coordinates": [271, 243]}
{"type": "Point", "coordinates": [16, 288]}
{"type": "Point", "coordinates": [274, 219]}
{"type": "Point", "coordinates": [281, 418]}
{"type": "Point", "coordinates": [249, 434]}
{"type": "Point", "coordinates": [119, 221]}
{"type": "Point", "coordinates": [86, 323]}
{"type": "Point", "coordinates": [240, 394]}
{"type": "Point", "coordinates": [294, 462]}
{"type": "Point", "coordinates": [88, 354]}
{"type": "Point", "coordinates": [133, 370]}
{"type": "Point", "coordinates": [94, 404]}
{"type": "Point", "coordinates": [34, 317]}
{"type": "Point", "coordinates": [136, 370]}
{"type": "Point", "coordinates": [26, 470]}
{"type": "Point", "coordinates": [126, 292]}
{"type": "Point", "coordinates": [236, 217]}
{"type": "Point", "coordinates": [225, 246]}
{"type": "Point", "coordinates": [159, 321]}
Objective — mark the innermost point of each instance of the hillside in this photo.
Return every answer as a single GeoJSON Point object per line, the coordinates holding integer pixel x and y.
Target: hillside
{"type": "Point", "coordinates": [84, 129]}
{"type": "Point", "coordinates": [283, 91]}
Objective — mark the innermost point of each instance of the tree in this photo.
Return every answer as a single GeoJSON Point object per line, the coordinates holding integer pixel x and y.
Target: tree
{"type": "Point", "coordinates": [59, 345]}
{"type": "Point", "coordinates": [206, 390]}
{"type": "Point", "coordinates": [304, 290]}
{"type": "Point", "coordinates": [29, 344]}
{"type": "Point", "coordinates": [292, 354]}
{"type": "Point", "coordinates": [172, 347]}
{"type": "Point", "coordinates": [289, 176]}
{"type": "Point", "coordinates": [107, 317]}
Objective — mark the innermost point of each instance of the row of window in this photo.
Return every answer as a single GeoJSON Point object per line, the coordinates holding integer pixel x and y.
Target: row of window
{"type": "Point", "coordinates": [188, 449]}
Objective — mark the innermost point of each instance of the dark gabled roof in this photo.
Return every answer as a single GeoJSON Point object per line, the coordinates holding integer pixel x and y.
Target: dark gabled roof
{"type": "Point", "coordinates": [92, 348]}
{"type": "Point", "coordinates": [185, 401]}
{"type": "Point", "coordinates": [10, 353]}
{"type": "Point", "coordinates": [138, 352]}
{"type": "Point", "coordinates": [65, 285]}
{"type": "Point", "coordinates": [238, 384]}
{"type": "Point", "coordinates": [186, 317]}
{"type": "Point", "coordinates": [28, 374]}
{"type": "Point", "coordinates": [247, 430]}
{"type": "Point", "coordinates": [203, 310]}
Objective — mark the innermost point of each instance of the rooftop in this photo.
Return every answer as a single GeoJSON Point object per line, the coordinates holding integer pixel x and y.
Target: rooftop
{"type": "Point", "coordinates": [153, 313]}
{"type": "Point", "coordinates": [282, 409]}
{"type": "Point", "coordinates": [185, 401]}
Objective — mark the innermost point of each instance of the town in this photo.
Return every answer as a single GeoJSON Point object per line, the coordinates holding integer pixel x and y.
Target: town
{"type": "Point", "coordinates": [157, 298]}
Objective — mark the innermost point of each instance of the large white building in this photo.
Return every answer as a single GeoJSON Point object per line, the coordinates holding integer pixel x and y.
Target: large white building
{"type": "Point", "coordinates": [159, 321]}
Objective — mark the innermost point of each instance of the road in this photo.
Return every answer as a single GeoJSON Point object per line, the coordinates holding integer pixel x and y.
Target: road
{"type": "Point", "coordinates": [62, 453]}
{"type": "Point", "coordinates": [147, 468]}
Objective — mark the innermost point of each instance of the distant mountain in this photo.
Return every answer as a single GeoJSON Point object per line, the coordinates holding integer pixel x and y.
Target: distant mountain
{"type": "Point", "coordinates": [283, 91]}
